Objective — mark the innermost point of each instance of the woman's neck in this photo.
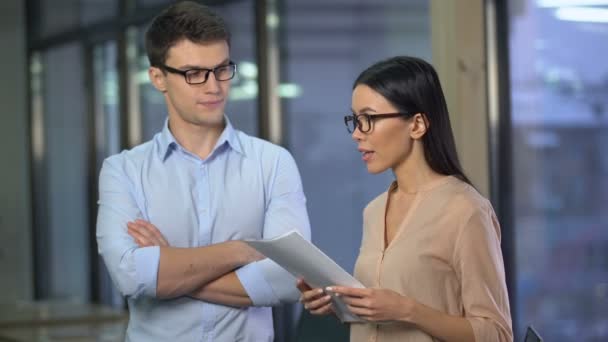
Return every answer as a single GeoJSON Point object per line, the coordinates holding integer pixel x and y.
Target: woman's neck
{"type": "Point", "coordinates": [415, 174]}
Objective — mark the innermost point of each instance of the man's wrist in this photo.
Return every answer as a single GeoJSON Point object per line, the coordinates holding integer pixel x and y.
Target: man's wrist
{"type": "Point", "coordinates": [240, 251]}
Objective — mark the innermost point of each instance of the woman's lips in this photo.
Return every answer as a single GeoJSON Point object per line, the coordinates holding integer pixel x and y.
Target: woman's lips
{"type": "Point", "coordinates": [366, 156]}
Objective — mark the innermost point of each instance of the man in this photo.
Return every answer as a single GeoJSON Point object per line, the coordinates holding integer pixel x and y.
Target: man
{"type": "Point", "coordinates": [172, 210]}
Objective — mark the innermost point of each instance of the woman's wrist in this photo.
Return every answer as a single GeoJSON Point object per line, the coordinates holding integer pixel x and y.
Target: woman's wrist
{"type": "Point", "coordinates": [409, 310]}
{"type": "Point", "coordinates": [421, 315]}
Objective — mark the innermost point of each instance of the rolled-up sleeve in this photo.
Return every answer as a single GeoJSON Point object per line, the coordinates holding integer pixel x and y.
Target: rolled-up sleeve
{"type": "Point", "coordinates": [133, 270]}
{"type": "Point", "coordinates": [265, 282]}
{"type": "Point", "coordinates": [479, 264]}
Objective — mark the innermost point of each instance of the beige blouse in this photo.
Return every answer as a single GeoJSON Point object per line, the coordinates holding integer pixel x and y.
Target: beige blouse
{"type": "Point", "coordinates": [446, 255]}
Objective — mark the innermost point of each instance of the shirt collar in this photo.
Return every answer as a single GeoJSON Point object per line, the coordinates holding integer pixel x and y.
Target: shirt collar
{"type": "Point", "coordinates": [229, 135]}
{"type": "Point", "coordinates": [166, 141]}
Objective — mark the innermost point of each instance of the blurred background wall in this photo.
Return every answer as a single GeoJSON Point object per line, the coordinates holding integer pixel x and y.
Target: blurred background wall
{"type": "Point", "coordinates": [16, 259]}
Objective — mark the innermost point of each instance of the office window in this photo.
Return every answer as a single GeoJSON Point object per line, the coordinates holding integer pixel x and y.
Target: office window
{"type": "Point", "coordinates": [59, 16]}
{"type": "Point", "coordinates": [106, 112]}
{"type": "Point", "coordinates": [150, 3]}
{"type": "Point", "coordinates": [328, 43]}
{"type": "Point", "coordinates": [60, 159]}
{"type": "Point", "coordinates": [559, 83]}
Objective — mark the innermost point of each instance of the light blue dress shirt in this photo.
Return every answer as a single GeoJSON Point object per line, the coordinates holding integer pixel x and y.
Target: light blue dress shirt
{"type": "Point", "coordinates": [246, 188]}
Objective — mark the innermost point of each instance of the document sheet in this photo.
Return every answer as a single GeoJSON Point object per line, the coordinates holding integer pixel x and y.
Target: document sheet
{"type": "Point", "coordinates": [304, 260]}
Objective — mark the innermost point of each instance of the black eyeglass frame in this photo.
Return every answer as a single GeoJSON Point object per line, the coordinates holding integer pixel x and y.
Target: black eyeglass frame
{"type": "Point", "coordinates": [186, 73]}
{"type": "Point", "coordinates": [370, 119]}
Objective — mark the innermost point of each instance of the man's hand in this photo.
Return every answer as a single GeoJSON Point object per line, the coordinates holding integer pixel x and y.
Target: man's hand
{"type": "Point", "coordinates": [251, 253]}
{"type": "Point", "coordinates": [146, 234]}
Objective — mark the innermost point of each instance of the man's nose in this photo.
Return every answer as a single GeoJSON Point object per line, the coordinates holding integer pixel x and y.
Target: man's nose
{"type": "Point", "coordinates": [212, 84]}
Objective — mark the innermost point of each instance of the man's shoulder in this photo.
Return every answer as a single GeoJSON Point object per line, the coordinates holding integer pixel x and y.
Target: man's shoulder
{"type": "Point", "coordinates": [131, 158]}
{"type": "Point", "coordinates": [258, 148]}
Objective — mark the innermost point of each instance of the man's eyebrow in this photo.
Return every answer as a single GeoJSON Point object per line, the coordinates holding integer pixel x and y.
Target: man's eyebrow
{"type": "Point", "coordinates": [191, 66]}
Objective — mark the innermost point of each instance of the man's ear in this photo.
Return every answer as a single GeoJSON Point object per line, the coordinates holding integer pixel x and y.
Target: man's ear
{"type": "Point", "coordinates": [158, 79]}
{"type": "Point", "coordinates": [420, 124]}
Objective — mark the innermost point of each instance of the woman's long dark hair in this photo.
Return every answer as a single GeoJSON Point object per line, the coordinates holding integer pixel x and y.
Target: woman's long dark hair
{"type": "Point", "coordinates": [412, 86]}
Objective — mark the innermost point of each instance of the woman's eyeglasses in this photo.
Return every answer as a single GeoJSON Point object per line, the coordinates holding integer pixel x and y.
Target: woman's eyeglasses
{"type": "Point", "coordinates": [364, 121]}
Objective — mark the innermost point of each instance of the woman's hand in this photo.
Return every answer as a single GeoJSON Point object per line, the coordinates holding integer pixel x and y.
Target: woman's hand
{"type": "Point", "coordinates": [146, 234]}
{"type": "Point", "coordinates": [376, 305]}
{"type": "Point", "coordinates": [314, 300]}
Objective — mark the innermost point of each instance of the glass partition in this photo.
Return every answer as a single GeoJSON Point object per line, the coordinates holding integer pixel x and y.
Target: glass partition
{"type": "Point", "coordinates": [559, 83]}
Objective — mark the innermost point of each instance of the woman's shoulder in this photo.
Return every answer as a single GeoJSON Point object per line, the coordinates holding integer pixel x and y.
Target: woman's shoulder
{"type": "Point", "coordinates": [464, 197]}
{"type": "Point", "coordinates": [471, 210]}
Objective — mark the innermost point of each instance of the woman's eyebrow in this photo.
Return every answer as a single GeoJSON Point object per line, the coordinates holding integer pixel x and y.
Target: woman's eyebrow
{"type": "Point", "coordinates": [366, 109]}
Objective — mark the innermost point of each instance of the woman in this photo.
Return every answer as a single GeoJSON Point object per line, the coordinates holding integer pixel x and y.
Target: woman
{"type": "Point", "coordinates": [430, 254]}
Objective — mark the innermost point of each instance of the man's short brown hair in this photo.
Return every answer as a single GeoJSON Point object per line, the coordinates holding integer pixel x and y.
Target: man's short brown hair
{"type": "Point", "coordinates": [183, 20]}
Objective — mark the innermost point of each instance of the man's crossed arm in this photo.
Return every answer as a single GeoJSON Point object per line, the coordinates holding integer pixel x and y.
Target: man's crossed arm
{"type": "Point", "coordinates": [205, 273]}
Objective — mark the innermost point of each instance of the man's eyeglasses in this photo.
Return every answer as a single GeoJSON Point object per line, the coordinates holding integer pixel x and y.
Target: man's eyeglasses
{"type": "Point", "coordinates": [364, 121]}
{"type": "Point", "coordinates": [201, 75]}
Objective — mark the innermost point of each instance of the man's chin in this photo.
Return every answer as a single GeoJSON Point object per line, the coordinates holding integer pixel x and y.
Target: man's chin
{"type": "Point", "coordinates": [213, 120]}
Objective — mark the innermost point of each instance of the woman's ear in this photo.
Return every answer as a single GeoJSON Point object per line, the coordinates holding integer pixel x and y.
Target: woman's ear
{"type": "Point", "coordinates": [420, 124]}
{"type": "Point", "coordinates": [158, 79]}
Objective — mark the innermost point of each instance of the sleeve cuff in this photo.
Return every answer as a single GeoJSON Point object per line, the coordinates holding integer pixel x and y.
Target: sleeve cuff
{"type": "Point", "coordinates": [146, 270]}
{"type": "Point", "coordinates": [255, 284]}
{"type": "Point", "coordinates": [485, 329]}
{"type": "Point", "coordinates": [282, 282]}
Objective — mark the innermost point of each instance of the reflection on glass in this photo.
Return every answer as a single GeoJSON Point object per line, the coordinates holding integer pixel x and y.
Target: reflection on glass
{"type": "Point", "coordinates": [559, 81]}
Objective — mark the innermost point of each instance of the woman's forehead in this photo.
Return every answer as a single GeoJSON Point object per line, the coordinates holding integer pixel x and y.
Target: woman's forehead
{"type": "Point", "coordinates": [366, 97]}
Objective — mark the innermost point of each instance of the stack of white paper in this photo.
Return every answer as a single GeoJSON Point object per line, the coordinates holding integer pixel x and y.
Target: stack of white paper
{"type": "Point", "coordinates": [304, 260]}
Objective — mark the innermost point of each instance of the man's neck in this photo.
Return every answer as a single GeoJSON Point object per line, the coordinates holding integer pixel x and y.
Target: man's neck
{"type": "Point", "coordinates": [196, 139]}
